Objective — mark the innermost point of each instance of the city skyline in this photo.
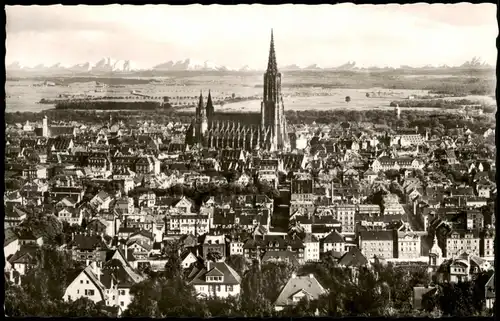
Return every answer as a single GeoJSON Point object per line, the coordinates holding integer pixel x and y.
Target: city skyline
{"type": "Point", "coordinates": [425, 34]}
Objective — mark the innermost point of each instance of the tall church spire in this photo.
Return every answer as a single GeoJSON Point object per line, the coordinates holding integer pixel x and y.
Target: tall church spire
{"type": "Point", "coordinates": [200, 104]}
{"type": "Point", "coordinates": [210, 106]}
{"type": "Point", "coordinates": [272, 65]}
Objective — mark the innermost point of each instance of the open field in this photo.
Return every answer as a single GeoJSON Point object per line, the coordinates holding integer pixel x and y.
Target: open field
{"type": "Point", "coordinates": [302, 90]}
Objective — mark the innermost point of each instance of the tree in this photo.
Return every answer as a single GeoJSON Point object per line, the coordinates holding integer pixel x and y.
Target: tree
{"type": "Point", "coordinates": [304, 308]}
{"type": "Point", "coordinates": [173, 267]}
{"type": "Point", "coordinates": [145, 303]}
{"type": "Point", "coordinates": [84, 307]}
{"type": "Point", "coordinates": [366, 297]}
{"type": "Point", "coordinates": [238, 263]}
{"type": "Point", "coordinates": [456, 299]}
{"type": "Point", "coordinates": [397, 189]}
{"type": "Point", "coordinates": [18, 303]}
{"type": "Point", "coordinates": [253, 301]}
{"type": "Point", "coordinates": [223, 307]}
{"type": "Point", "coordinates": [392, 174]}
{"type": "Point", "coordinates": [275, 275]}
{"type": "Point", "coordinates": [48, 279]}
{"type": "Point", "coordinates": [214, 256]}
{"type": "Point", "coordinates": [178, 299]}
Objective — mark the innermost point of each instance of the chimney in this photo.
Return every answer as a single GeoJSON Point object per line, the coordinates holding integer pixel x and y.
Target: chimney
{"type": "Point", "coordinates": [126, 252]}
{"type": "Point", "coordinates": [294, 275]}
{"type": "Point", "coordinates": [311, 276]}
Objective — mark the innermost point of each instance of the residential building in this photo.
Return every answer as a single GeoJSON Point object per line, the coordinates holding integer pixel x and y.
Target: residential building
{"type": "Point", "coordinates": [312, 248]}
{"type": "Point", "coordinates": [408, 245]}
{"type": "Point", "coordinates": [334, 242]}
{"type": "Point", "coordinates": [377, 243]}
{"type": "Point", "coordinates": [460, 241]}
{"type": "Point", "coordinates": [216, 279]}
{"type": "Point", "coordinates": [214, 243]}
{"type": "Point", "coordinates": [296, 289]}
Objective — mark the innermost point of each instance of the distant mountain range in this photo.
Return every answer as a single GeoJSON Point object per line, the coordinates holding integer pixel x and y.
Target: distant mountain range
{"type": "Point", "coordinates": [108, 65]}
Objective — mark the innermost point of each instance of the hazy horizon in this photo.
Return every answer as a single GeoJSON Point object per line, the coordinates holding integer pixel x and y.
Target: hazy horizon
{"type": "Point", "coordinates": [234, 36]}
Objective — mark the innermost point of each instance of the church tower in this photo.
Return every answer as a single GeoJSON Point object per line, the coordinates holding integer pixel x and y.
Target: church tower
{"type": "Point", "coordinates": [210, 106]}
{"type": "Point", "coordinates": [201, 122]}
{"type": "Point", "coordinates": [272, 109]}
{"type": "Point", "coordinates": [45, 126]}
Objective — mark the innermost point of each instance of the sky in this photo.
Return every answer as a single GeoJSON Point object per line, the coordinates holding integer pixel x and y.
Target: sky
{"type": "Point", "coordinates": [234, 36]}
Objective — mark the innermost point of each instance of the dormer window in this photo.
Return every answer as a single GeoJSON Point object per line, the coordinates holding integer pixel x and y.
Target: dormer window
{"type": "Point", "coordinates": [214, 278]}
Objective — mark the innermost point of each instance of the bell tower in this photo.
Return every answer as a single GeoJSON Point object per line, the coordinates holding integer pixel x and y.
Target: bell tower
{"type": "Point", "coordinates": [201, 123]}
{"type": "Point", "coordinates": [272, 109]}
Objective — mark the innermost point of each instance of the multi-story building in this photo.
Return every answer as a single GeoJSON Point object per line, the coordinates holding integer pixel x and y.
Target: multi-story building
{"type": "Point", "coordinates": [377, 243]}
{"type": "Point", "coordinates": [110, 283]}
{"type": "Point", "coordinates": [408, 245]}
{"type": "Point", "coordinates": [370, 210]}
{"type": "Point", "coordinates": [386, 163]}
{"type": "Point", "coordinates": [487, 243]}
{"type": "Point", "coordinates": [345, 215]}
{"type": "Point", "coordinates": [460, 241]}
{"type": "Point", "coordinates": [475, 219]}
{"type": "Point", "coordinates": [302, 195]}
{"type": "Point", "coordinates": [334, 242]}
{"type": "Point", "coordinates": [256, 248]}
{"type": "Point", "coordinates": [311, 248]}
{"type": "Point", "coordinates": [214, 243]}
{"type": "Point", "coordinates": [86, 247]}
{"type": "Point", "coordinates": [187, 223]}
{"type": "Point", "coordinates": [405, 138]}
{"type": "Point", "coordinates": [32, 172]}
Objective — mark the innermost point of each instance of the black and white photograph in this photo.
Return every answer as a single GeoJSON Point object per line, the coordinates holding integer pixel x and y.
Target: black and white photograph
{"type": "Point", "coordinates": [333, 160]}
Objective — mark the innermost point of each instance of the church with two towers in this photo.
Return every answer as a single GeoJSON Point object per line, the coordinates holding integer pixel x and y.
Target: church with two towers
{"type": "Point", "coordinates": [266, 130]}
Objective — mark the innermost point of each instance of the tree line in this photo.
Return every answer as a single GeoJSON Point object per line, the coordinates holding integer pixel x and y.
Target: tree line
{"type": "Point", "coordinates": [111, 105]}
{"type": "Point", "coordinates": [434, 103]}
{"type": "Point", "coordinates": [408, 118]}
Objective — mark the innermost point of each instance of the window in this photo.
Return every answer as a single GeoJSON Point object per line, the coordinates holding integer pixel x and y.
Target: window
{"type": "Point", "coordinates": [87, 281]}
{"type": "Point", "coordinates": [121, 303]}
{"type": "Point", "coordinates": [77, 291]}
{"type": "Point", "coordinates": [218, 288]}
{"type": "Point", "coordinates": [81, 281]}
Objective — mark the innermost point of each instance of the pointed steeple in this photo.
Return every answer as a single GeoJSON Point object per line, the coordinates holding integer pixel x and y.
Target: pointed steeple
{"type": "Point", "coordinates": [210, 106]}
{"type": "Point", "coordinates": [200, 104]}
{"type": "Point", "coordinates": [272, 65]}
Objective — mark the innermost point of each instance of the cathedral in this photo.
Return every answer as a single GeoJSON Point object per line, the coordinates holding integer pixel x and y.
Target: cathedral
{"type": "Point", "coordinates": [266, 130]}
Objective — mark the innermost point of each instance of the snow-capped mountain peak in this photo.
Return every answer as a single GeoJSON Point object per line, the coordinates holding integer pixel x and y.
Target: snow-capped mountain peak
{"type": "Point", "coordinates": [189, 64]}
{"type": "Point", "coordinates": [16, 65]}
{"type": "Point", "coordinates": [108, 64]}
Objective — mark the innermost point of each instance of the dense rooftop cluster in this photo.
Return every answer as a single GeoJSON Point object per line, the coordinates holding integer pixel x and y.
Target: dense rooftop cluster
{"type": "Point", "coordinates": [115, 199]}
